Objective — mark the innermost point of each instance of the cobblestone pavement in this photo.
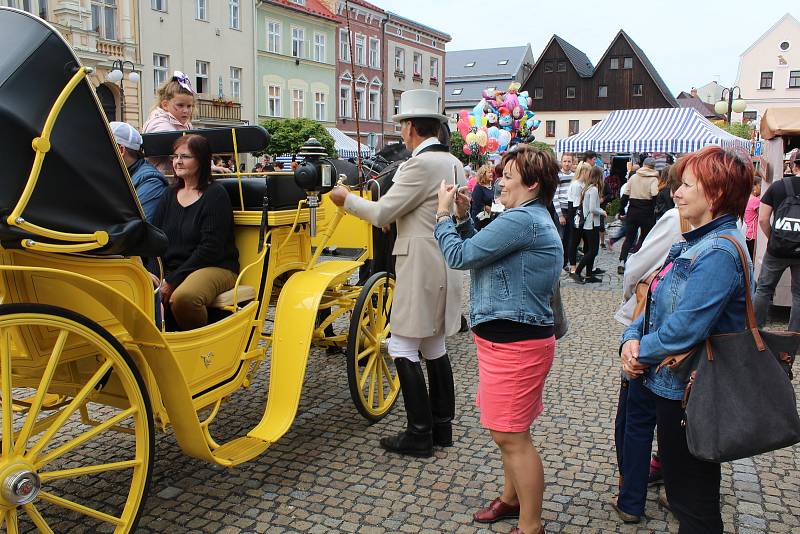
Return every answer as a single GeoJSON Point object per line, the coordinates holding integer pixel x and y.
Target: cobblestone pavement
{"type": "Point", "coordinates": [328, 473]}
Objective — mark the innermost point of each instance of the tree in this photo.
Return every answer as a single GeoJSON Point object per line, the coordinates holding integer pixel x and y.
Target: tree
{"type": "Point", "coordinates": [543, 146]}
{"type": "Point", "coordinates": [738, 129]}
{"type": "Point", "coordinates": [288, 135]}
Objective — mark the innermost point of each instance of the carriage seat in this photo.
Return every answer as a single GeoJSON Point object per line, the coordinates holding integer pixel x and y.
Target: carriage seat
{"type": "Point", "coordinates": [283, 192]}
{"type": "Point", "coordinates": [244, 295]}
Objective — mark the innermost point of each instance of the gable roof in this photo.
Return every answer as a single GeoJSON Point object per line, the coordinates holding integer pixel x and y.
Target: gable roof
{"type": "Point", "coordinates": [651, 70]}
{"type": "Point", "coordinates": [311, 7]}
{"type": "Point", "coordinates": [578, 58]}
{"type": "Point", "coordinates": [487, 62]}
{"type": "Point", "coordinates": [442, 36]}
{"type": "Point", "coordinates": [686, 100]}
{"type": "Point", "coordinates": [363, 3]}
{"type": "Point", "coordinates": [770, 30]}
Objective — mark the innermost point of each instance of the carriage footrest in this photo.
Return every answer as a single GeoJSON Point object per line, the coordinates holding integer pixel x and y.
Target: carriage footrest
{"type": "Point", "coordinates": [241, 450]}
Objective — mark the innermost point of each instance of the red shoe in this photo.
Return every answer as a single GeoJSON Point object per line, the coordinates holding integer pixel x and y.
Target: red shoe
{"type": "Point", "coordinates": [519, 531]}
{"type": "Point", "coordinates": [496, 511]}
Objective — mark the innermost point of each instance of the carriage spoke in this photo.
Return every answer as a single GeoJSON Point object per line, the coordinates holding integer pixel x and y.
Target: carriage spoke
{"type": "Point", "coordinates": [83, 438]}
{"type": "Point", "coordinates": [366, 373]}
{"type": "Point", "coordinates": [44, 384]}
{"type": "Point", "coordinates": [5, 392]}
{"type": "Point", "coordinates": [89, 470]}
{"type": "Point", "coordinates": [37, 519]}
{"type": "Point", "coordinates": [12, 522]}
{"type": "Point", "coordinates": [379, 383]}
{"type": "Point", "coordinates": [364, 352]}
{"type": "Point", "coordinates": [369, 335]}
{"type": "Point", "coordinates": [85, 510]}
{"type": "Point", "coordinates": [371, 395]}
{"type": "Point", "coordinates": [70, 409]}
{"type": "Point", "coordinates": [388, 374]}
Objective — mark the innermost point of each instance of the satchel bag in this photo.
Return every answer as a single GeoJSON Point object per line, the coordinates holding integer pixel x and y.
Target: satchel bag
{"type": "Point", "coordinates": [739, 399]}
{"type": "Point", "coordinates": [560, 322]}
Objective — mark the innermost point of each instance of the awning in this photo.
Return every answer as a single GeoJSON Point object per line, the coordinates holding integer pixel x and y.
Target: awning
{"type": "Point", "coordinates": [676, 130]}
{"type": "Point", "coordinates": [347, 147]}
{"type": "Point", "coordinates": [780, 121]}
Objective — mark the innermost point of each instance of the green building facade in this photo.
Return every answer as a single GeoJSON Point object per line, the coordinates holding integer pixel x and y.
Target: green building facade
{"type": "Point", "coordinates": [296, 63]}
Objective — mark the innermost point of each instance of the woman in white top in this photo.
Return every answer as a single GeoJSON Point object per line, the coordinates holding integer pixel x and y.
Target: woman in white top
{"type": "Point", "coordinates": [574, 199]}
{"type": "Point", "coordinates": [592, 213]}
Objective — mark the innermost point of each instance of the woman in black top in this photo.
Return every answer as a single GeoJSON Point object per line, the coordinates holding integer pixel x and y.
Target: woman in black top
{"type": "Point", "coordinates": [482, 198]}
{"type": "Point", "coordinates": [201, 260]}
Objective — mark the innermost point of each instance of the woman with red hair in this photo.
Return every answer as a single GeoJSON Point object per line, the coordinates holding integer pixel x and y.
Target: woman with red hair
{"type": "Point", "coordinates": [698, 292]}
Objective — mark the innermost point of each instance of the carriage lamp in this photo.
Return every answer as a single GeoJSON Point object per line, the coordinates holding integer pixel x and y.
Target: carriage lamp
{"type": "Point", "coordinates": [314, 176]}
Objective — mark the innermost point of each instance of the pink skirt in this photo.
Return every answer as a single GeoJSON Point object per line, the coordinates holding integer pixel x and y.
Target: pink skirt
{"type": "Point", "coordinates": [511, 380]}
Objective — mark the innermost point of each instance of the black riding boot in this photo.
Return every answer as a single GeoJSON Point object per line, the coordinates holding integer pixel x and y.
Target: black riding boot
{"type": "Point", "coordinates": [417, 440]}
{"type": "Point", "coordinates": [443, 399]}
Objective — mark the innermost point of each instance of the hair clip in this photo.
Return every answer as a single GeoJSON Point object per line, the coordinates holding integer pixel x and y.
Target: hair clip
{"type": "Point", "coordinates": [183, 80]}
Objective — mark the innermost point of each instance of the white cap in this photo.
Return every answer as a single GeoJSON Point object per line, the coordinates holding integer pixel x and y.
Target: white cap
{"type": "Point", "coordinates": [126, 135]}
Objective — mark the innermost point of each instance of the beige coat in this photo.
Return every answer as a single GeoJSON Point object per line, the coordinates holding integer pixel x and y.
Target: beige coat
{"type": "Point", "coordinates": [427, 297]}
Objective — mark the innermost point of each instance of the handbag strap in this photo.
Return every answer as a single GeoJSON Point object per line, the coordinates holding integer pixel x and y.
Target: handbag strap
{"type": "Point", "coordinates": [750, 318]}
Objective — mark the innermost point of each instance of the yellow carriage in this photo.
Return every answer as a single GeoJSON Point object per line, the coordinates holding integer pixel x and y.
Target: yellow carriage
{"type": "Point", "coordinates": [86, 373]}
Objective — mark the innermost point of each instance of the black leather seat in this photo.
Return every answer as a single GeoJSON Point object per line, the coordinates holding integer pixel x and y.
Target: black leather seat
{"type": "Point", "coordinates": [283, 192]}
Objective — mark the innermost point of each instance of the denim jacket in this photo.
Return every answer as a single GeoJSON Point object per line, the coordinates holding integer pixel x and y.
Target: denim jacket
{"type": "Point", "coordinates": [514, 263]}
{"type": "Point", "coordinates": [702, 294]}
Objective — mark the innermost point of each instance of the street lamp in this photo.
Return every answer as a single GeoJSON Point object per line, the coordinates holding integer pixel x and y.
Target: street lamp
{"type": "Point", "coordinates": [117, 74]}
{"type": "Point", "coordinates": [726, 107]}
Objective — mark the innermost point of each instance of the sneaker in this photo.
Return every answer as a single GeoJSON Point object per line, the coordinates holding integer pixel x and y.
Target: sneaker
{"type": "Point", "coordinates": [621, 268]}
{"type": "Point", "coordinates": [598, 271]}
{"type": "Point", "coordinates": [655, 475]}
{"type": "Point", "coordinates": [578, 279]}
{"type": "Point", "coordinates": [592, 279]}
{"type": "Point", "coordinates": [624, 516]}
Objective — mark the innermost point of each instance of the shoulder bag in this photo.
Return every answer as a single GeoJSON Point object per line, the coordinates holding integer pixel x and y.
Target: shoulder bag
{"type": "Point", "coordinates": [739, 399]}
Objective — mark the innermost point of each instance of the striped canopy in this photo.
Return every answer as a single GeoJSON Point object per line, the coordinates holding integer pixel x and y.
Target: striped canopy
{"type": "Point", "coordinates": [676, 130]}
{"type": "Point", "coordinates": [347, 147]}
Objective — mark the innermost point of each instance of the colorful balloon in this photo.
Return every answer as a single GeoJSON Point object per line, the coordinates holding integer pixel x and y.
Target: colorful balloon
{"type": "Point", "coordinates": [481, 138]}
{"type": "Point", "coordinates": [492, 144]}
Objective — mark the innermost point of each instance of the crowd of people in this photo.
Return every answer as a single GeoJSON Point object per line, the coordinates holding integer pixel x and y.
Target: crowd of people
{"type": "Point", "coordinates": [515, 226]}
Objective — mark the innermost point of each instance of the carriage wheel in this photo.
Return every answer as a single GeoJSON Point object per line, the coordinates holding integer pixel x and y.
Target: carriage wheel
{"type": "Point", "coordinates": [370, 371]}
{"type": "Point", "coordinates": [85, 463]}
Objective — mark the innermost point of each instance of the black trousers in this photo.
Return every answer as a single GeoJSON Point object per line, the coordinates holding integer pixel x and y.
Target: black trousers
{"type": "Point", "coordinates": [567, 233]}
{"type": "Point", "coordinates": [692, 485]}
{"type": "Point", "coordinates": [591, 247]}
{"type": "Point", "coordinates": [636, 221]}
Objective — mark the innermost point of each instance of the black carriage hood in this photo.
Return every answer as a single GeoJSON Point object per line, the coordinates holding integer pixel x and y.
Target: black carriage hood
{"type": "Point", "coordinates": [84, 185]}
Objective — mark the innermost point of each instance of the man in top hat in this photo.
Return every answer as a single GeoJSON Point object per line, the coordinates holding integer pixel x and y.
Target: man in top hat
{"type": "Point", "coordinates": [427, 296]}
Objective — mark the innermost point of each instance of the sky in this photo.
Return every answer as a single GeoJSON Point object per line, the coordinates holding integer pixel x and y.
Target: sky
{"type": "Point", "coordinates": [691, 43]}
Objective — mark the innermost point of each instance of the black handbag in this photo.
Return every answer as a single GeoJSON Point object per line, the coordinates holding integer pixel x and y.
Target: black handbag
{"type": "Point", "coordinates": [739, 399]}
{"type": "Point", "coordinates": [560, 322]}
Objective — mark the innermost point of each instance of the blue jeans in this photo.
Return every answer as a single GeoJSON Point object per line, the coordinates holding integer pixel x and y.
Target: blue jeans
{"type": "Point", "coordinates": [634, 426]}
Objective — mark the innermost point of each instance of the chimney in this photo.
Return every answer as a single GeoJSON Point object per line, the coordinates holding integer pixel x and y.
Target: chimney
{"type": "Point", "coordinates": [694, 92]}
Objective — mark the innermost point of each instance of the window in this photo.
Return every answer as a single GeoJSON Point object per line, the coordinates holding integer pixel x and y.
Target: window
{"type": "Point", "coordinates": [434, 68]}
{"type": "Point", "coordinates": [766, 80]}
{"type": "Point", "coordinates": [361, 103]}
{"type": "Point", "coordinates": [345, 102]}
{"type": "Point", "coordinates": [562, 66]}
{"type": "Point", "coordinates": [574, 127]}
{"type": "Point", "coordinates": [374, 106]}
{"type": "Point", "coordinates": [43, 9]}
{"type": "Point", "coordinates": [595, 121]}
{"type": "Point", "coordinates": [298, 103]}
{"type": "Point", "coordinates": [571, 91]}
{"type": "Point", "coordinates": [550, 128]}
{"type": "Point", "coordinates": [319, 107]}
{"type": "Point", "coordinates": [458, 91]}
{"type": "Point", "coordinates": [538, 93]}
{"type": "Point", "coordinates": [298, 42]}
{"type": "Point", "coordinates": [298, 2]}
{"type": "Point", "coordinates": [104, 18]}
{"type": "Point", "coordinates": [396, 102]}
{"type": "Point", "coordinates": [417, 64]}
{"type": "Point", "coordinates": [794, 79]}
{"type": "Point", "coordinates": [503, 62]}
{"type": "Point", "coordinates": [160, 69]}
{"type": "Point", "coordinates": [158, 5]}
{"type": "Point", "coordinates": [236, 82]}
{"type": "Point", "coordinates": [319, 47]}
{"type": "Point", "coordinates": [548, 66]}
{"type": "Point", "coordinates": [627, 63]}
{"type": "Point", "coordinates": [25, 5]}
{"type": "Point", "coordinates": [201, 76]}
{"type": "Point", "coordinates": [201, 9]}
{"type": "Point", "coordinates": [274, 101]}
{"type": "Point", "coordinates": [399, 60]}
{"type": "Point", "coordinates": [360, 49]}
{"type": "Point", "coordinates": [614, 65]}
{"type": "Point", "coordinates": [602, 91]}
{"type": "Point", "coordinates": [638, 89]}
{"type": "Point", "coordinates": [749, 116]}
{"type": "Point", "coordinates": [470, 64]}
{"type": "Point", "coordinates": [233, 12]}
{"type": "Point", "coordinates": [784, 46]}
{"type": "Point", "coordinates": [375, 53]}
{"type": "Point", "coordinates": [274, 36]}
{"type": "Point", "coordinates": [344, 45]}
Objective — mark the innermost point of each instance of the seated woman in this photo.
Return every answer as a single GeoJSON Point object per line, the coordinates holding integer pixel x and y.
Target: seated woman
{"type": "Point", "coordinates": [201, 260]}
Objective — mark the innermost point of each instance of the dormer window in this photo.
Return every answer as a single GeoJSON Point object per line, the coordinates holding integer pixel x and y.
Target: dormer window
{"type": "Point", "coordinates": [503, 62]}
{"type": "Point", "coordinates": [470, 64]}
{"type": "Point", "coordinates": [458, 91]}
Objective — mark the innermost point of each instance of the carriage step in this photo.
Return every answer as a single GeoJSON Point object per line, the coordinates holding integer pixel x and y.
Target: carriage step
{"type": "Point", "coordinates": [240, 450]}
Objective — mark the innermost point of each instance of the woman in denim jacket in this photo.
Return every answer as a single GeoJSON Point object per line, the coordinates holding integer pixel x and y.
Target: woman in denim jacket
{"type": "Point", "coordinates": [514, 264]}
{"type": "Point", "coordinates": [698, 292]}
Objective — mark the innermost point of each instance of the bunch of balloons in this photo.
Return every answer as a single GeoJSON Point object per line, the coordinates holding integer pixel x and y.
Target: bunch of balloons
{"type": "Point", "coordinates": [498, 121]}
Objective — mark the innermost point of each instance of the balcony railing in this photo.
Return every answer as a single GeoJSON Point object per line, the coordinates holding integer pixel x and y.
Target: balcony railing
{"type": "Point", "coordinates": [110, 48]}
{"type": "Point", "coordinates": [219, 110]}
